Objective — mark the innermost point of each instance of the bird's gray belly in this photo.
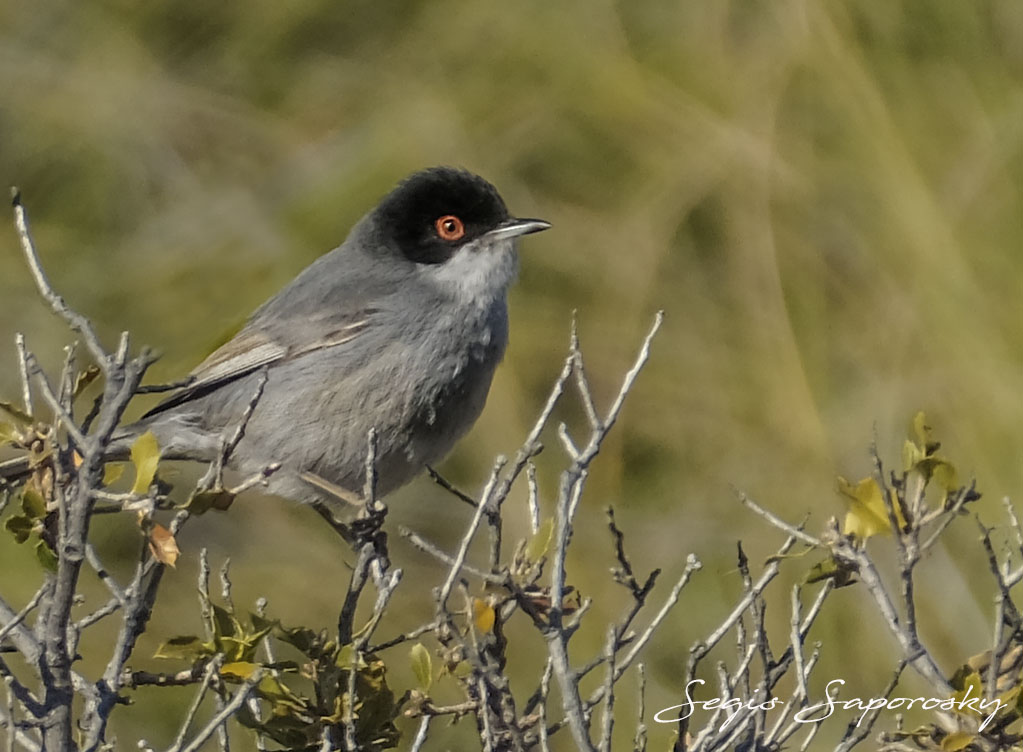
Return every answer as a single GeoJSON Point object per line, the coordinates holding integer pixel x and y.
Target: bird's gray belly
{"type": "Point", "coordinates": [420, 401]}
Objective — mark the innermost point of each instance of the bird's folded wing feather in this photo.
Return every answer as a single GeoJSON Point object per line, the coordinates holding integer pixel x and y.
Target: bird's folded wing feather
{"type": "Point", "coordinates": [255, 347]}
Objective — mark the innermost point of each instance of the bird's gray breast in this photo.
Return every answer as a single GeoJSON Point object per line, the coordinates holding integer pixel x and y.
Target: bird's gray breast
{"type": "Point", "coordinates": [421, 388]}
{"type": "Point", "coordinates": [454, 366]}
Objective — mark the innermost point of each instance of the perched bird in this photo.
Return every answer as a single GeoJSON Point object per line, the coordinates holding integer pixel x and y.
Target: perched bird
{"type": "Point", "coordinates": [398, 329]}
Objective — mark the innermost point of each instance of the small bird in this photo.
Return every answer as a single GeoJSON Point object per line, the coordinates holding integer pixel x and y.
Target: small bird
{"type": "Point", "coordinates": [399, 329]}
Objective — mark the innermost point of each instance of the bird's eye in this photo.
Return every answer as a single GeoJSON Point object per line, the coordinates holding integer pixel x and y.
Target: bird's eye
{"type": "Point", "coordinates": [450, 227]}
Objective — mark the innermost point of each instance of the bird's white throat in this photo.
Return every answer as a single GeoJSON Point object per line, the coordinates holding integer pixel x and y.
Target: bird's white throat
{"type": "Point", "coordinates": [478, 274]}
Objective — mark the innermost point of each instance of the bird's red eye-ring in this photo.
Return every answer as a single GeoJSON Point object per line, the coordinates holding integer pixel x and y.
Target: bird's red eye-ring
{"type": "Point", "coordinates": [450, 227]}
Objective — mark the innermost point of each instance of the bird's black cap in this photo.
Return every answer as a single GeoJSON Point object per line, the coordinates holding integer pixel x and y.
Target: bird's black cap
{"type": "Point", "coordinates": [434, 212]}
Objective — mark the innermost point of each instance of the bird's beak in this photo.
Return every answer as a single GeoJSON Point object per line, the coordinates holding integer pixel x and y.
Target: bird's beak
{"type": "Point", "coordinates": [512, 228]}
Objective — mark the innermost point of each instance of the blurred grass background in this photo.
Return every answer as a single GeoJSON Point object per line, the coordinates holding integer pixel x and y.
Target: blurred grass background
{"type": "Point", "coordinates": [824, 197]}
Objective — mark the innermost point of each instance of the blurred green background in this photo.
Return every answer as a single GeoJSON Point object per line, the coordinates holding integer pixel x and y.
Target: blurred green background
{"type": "Point", "coordinates": [825, 198]}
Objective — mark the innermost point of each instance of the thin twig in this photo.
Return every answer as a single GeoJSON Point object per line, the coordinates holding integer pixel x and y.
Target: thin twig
{"type": "Point", "coordinates": [225, 713]}
{"type": "Point", "coordinates": [51, 398]}
{"type": "Point", "coordinates": [639, 741]}
{"type": "Point", "coordinates": [608, 718]}
{"type": "Point", "coordinates": [26, 384]}
{"type": "Point", "coordinates": [211, 670]}
{"type": "Point", "coordinates": [441, 481]}
{"type": "Point", "coordinates": [421, 734]}
{"type": "Point", "coordinates": [76, 321]}
{"type": "Point", "coordinates": [463, 546]}
{"type": "Point", "coordinates": [11, 624]}
{"type": "Point", "coordinates": [425, 546]}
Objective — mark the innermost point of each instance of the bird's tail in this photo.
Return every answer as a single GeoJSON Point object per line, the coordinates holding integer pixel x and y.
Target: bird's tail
{"type": "Point", "coordinates": [15, 470]}
{"type": "Point", "coordinates": [178, 438]}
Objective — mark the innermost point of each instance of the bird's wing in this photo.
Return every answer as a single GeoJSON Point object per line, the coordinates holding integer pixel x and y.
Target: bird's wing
{"type": "Point", "coordinates": [255, 347]}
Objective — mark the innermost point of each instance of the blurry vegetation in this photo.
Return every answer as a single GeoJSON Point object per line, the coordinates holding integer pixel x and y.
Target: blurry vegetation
{"type": "Point", "coordinates": [825, 198]}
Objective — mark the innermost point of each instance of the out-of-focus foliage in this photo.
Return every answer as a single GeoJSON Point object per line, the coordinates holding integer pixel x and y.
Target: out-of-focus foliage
{"type": "Point", "coordinates": [824, 196]}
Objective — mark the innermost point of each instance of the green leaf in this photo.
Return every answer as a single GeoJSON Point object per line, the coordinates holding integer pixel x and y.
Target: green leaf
{"type": "Point", "coordinates": [972, 685]}
{"type": "Point", "coordinates": [204, 501]}
{"type": "Point", "coordinates": [184, 647]}
{"type": "Point", "coordinates": [238, 648]}
{"type": "Point", "coordinates": [829, 569]}
{"type": "Point", "coordinates": [145, 455]}
{"type": "Point", "coordinates": [112, 473]}
{"type": "Point", "coordinates": [85, 378]}
{"type": "Point", "coordinates": [20, 417]}
{"type": "Point", "coordinates": [911, 454]}
{"type": "Point", "coordinates": [259, 632]}
{"type": "Point", "coordinates": [302, 638]}
{"type": "Point", "coordinates": [238, 670]}
{"type": "Point", "coordinates": [46, 556]}
{"type": "Point", "coordinates": [422, 666]}
{"type": "Point", "coordinates": [32, 503]}
{"type": "Point", "coordinates": [224, 623]}
{"type": "Point", "coordinates": [20, 527]}
{"type": "Point", "coordinates": [261, 624]}
{"type": "Point", "coordinates": [540, 543]}
{"type": "Point", "coordinates": [939, 469]}
{"type": "Point", "coordinates": [924, 440]}
{"type": "Point", "coordinates": [957, 741]}
{"type": "Point", "coordinates": [946, 476]}
{"type": "Point", "coordinates": [345, 657]}
{"type": "Point", "coordinates": [279, 695]}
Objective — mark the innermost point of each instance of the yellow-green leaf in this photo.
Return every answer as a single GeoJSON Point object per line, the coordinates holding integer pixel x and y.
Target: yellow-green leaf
{"type": "Point", "coordinates": [239, 670]}
{"type": "Point", "coordinates": [20, 527]}
{"type": "Point", "coordinates": [261, 624]}
{"type": "Point", "coordinates": [224, 623]}
{"type": "Point", "coordinates": [204, 501]}
{"type": "Point", "coordinates": [32, 503]}
{"type": "Point", "coordinates": [184, 647]}
{"type": "Point", "coordinates": [46, 556]}
{"type": "Point", "coordinates": [867, 514]}
{"type": "Point", "coordinates": [911, 454]}
{"type": "Point", "coordinates": [236, 648]}
{"type": "Point", "coordinates": [302, 638]}
{"type": "Point", "coordinates": [145, 455]}
{"type": "Point", "coordinates": [829, 569]}
{"type": "Point", "coordinates": [957, 741]}
{"type": "Point", "coordinates": [85, 378]}
{"type": "Point", "coordinates": [945, 475]}
{"type": "Point", "coordinates": [282, 699]}
{"type": "Point", "coordinates": [539, 544]}
{"type": "Point", "coordinates": [972, 686]}
{"type": "Point", "coordinates": [422, 666]}
{"type": "Point", "coordinates": [483, 615]}
{"type": "Point", "coordinates": [112, 473]}
{"type": "Point", "coordinates": [347, 657]}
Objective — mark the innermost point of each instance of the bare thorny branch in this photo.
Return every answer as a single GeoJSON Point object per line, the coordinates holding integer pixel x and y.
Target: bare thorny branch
{"type": "Point", "coordinates": [467, 627]}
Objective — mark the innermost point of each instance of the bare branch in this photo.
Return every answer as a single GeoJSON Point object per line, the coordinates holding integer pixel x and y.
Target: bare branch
{"type": "Point", "coordinates": [76, 321]}
{"type": "Point", "coordinates": [222, 717]}
{"type": "Point", "coordinates": [26, 384]}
